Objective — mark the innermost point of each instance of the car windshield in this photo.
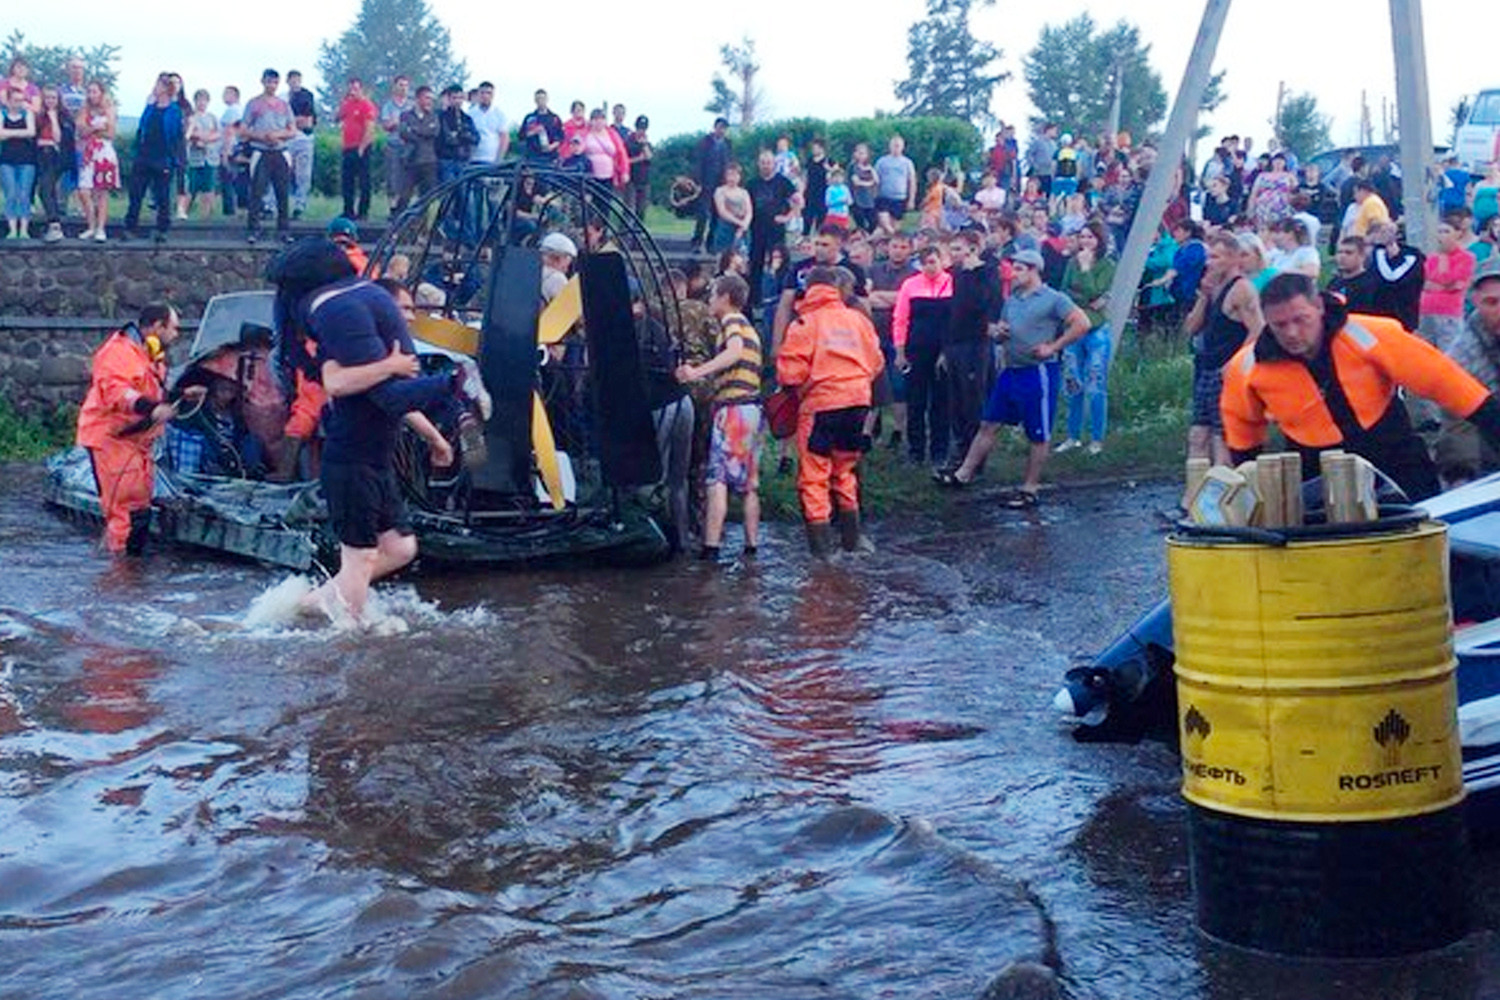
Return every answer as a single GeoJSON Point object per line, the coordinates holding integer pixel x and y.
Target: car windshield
{"type": "Point", "coordinates": [226, 315]}
{"type": "Point", "coordinates": [1486, 109]}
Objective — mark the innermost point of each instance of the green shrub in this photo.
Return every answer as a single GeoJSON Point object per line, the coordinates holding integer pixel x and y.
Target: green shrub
{"type": "Point", "coordinates": [929, 142]}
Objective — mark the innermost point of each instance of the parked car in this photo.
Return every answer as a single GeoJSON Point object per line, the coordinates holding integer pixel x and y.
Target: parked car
{"type": "Point", "coordinates": [1330, 158]}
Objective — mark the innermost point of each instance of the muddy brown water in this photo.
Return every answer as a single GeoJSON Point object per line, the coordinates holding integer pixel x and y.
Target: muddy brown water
{"type": "Point", "coordinates": [777, 780]}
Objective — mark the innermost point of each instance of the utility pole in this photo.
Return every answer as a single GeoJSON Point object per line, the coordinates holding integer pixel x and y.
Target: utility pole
{"type": "Point", "coordinates": [1158, 193]}
{"type": "Point", "coordinates": [1114, 108]}
{"type": "Point", "coordinates": [1412, 106]}
{"type": "Point", "coordinates": [1276, 121]}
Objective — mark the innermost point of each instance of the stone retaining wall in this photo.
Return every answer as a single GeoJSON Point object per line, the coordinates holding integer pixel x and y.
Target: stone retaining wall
{"type": "Point", "coordinates": [110, 281]}
{"type": "Point", "coordinates": [59, 301]}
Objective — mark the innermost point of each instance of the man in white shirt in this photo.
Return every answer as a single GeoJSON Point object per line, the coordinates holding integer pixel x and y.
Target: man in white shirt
{"type": "Point", "coordinates": [490, 123]}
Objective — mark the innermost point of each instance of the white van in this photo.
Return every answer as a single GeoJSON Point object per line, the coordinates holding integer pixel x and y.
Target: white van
{"type": "Point", "coordinates": [1478, 140]}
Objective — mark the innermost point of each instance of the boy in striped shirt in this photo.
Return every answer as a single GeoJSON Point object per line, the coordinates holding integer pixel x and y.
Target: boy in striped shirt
{"type": "Point", "coordinates": [735, 439]}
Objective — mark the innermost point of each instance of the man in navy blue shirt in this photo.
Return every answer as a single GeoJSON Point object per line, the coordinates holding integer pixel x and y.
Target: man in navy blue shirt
{"type": "Point", "coordinates": [368, 367]}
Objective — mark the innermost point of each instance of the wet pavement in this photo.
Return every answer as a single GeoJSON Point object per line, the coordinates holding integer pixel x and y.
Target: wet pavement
{"type": "Point", "coordinates": [766, 779]}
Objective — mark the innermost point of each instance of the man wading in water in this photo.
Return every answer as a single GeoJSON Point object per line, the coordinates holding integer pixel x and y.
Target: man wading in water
{"type": "Point", "coordinates": [367, 364]}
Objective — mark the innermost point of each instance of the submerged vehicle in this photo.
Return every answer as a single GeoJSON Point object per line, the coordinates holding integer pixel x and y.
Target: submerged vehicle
{"type": "Point", "coordinates": [560, 461]}
{"type": "Point", "coordinates": [1128, 692]}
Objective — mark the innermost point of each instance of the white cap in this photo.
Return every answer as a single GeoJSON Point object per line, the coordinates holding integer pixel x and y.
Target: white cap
{"type": "Point", "coordinates": [559, 243]}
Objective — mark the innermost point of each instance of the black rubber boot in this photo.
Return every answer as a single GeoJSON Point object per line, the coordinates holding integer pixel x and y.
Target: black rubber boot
{"type": "Point", "coordinates": [819, 539]}
{"type": "Point", "coordinates": [850, 536]}
{"type": "Point", "coordinates": [140, 528]}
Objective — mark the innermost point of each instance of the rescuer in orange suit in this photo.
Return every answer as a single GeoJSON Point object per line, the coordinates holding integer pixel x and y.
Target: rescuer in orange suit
{"type": "Point", "coordinates": [830, 355]}
{"type": "Point", "coordinates": [124, 413]}
{"type": "Point", "coordinates": [1329, 379]}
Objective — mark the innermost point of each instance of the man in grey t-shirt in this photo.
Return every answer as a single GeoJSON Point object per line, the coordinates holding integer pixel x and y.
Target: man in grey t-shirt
{"type": "Point", "coordinates": [398, 104]}
{"type": "Point", "coordinates": [1037, 323]}
{"type": "Point", "coordinates": [896, 193]}
{"type": "Point", "coordinates": [267, 126]}
{"type": "Point", "coordinates": [1041, 157]}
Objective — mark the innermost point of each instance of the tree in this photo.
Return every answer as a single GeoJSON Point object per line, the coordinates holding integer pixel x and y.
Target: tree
{"type": "Point", "coordinates": [1213, 96]}
{"type": "Point", "coordinates": [49, 62]}
{"type": "Point", "coordinates": [1070, 77]}
{"type": "Point", "coordinates": [389, 38]}
{"type": "Point", "coordinates": [1457, 115]}
{"type": "Point", "coordinates": [1301, 127]}
{"type": "Point", "coordinates": [952, 72]}
{"type": "Point", "coordinates": [740, 104]}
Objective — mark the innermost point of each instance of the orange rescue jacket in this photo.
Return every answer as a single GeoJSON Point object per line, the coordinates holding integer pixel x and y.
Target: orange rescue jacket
{"type": "Point", "coordinates": [1372, 356]}
{"type": "Point", "coordinates": [831, 353]}
{"type": "Point", "coordinates": [125, 386]}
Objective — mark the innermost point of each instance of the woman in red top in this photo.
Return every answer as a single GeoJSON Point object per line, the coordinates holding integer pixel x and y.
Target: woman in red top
{"type": "Point", "coordinates": [1447, 273]}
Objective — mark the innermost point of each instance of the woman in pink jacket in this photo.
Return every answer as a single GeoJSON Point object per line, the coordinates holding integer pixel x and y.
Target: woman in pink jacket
{"type": "Point", "coordinates": [917, 329]}
{"type": "Point", "coordinates": [608, 160]}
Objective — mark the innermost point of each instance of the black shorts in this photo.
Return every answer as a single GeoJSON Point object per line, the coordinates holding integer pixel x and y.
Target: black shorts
{"type": "Point", "coordinates": [364, 501]}
{"type": "Point", "coordinates": [894, 207]}
{"type": "Point", "coordinates": [1208, 386]}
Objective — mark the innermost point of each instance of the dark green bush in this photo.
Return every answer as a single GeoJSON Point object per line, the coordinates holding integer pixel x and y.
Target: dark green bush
{"type": "Point", "coordinates": [929, 141]}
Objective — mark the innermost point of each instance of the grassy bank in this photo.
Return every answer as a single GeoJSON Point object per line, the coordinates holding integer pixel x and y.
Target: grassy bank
{"type": "Point", "coordinates": [1150, 393]}
{"type": "Point", "coordinates": [29, 439]}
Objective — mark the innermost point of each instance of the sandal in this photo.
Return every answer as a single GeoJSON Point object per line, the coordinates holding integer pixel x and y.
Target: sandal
{"type": "Point", "coordinates": [948, 478]}
{"type": "Point", "coordinates": [1020, 499]}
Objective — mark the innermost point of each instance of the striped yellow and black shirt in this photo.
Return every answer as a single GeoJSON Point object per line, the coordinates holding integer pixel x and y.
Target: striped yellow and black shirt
{"type": "Point", "coordinates": [740, 382]}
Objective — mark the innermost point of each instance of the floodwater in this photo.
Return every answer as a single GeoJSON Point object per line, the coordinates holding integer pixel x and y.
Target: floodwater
{"type": "Point", "coordinates": [775, 779]}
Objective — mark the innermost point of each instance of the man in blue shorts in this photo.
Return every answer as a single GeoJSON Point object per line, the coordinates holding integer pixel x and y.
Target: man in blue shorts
{"type": "Point", "coordinates": [1036, 324]}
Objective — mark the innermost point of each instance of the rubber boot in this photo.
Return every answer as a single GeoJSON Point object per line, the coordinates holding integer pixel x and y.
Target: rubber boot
{"type": "Point", "coordinates": [819, 539]}
{"type": "Point", "coordinates": [850, 536]}
{"type": "Point", "coordinates": [140, 527]}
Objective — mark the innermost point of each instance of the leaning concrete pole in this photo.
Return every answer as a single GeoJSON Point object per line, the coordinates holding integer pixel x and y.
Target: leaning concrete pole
{"type": "Point", "coordinates": [1158, 191]}
{"type": "Point", "coordinates": [1412, 112]}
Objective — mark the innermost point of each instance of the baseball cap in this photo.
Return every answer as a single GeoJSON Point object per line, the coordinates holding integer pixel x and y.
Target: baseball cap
{"type": "Point", "coordinates": [343, 226]}
{"type": "Point", "coordinates": [558, 243]}
{"type": "Point", "coordinates": [1484, 272]}
{"type": "Point", "coordinates": [1031, 258]}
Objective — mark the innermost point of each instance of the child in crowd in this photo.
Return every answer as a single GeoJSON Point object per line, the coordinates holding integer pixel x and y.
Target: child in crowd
{"type": "Point", "coordinates": [1075, 213]}
{"type": "Point", "coordinates": [735, 438]}
{"type": "Point", "coordinates": [990, 196]}
{"type": "Point", "coordinates": [838, 198]}
{"type": "Point", "coordinates": [204, 150]}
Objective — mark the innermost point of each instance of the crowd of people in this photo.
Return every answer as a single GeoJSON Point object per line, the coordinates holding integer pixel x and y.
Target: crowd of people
{"type": "Point", "coordinates": [985, 298]}
{"type": "Point", "coordinates": [58, 142]}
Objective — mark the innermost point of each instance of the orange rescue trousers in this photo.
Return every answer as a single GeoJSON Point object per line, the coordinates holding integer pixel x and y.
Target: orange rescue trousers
{"type": "Point", "coordinates": [124, 472]}
{"type": "Point", "coordinates": [818, 475]}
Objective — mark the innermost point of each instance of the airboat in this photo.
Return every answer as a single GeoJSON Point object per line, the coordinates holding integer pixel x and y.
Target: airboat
{"type": "Point", "coordinates": [568, 469]}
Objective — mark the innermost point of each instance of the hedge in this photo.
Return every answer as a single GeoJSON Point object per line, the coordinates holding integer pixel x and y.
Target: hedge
{"type": "Point", "coordinates": [929, 142]}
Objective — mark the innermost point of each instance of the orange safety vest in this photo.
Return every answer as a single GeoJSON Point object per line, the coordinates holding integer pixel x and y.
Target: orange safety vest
{"type": "Point", "coordinates": [124, 373]}
{"type": "Point", "coordinates": [831, 353]}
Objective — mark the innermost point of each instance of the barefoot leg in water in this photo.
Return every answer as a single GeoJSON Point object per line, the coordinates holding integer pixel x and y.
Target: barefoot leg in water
{"type": "Point", "coordinates": [358, 568]}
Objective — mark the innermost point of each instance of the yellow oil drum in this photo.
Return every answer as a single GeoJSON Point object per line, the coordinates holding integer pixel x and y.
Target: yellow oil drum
{"type": "Point", "coordinates": [1317, 713]}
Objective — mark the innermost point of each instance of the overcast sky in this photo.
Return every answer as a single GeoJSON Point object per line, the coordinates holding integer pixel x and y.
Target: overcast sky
{"type": "Point", "coordinates": [828, 60]}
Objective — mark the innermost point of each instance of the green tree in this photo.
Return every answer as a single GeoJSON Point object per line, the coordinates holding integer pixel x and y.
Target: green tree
{"type": "Point", "coordinates": [1301, 127]}
{"type": "Point", "coordinates": [739, 104]}
{"type": "Point", "coordinates": [952, 73]}
{"type": "Point", "coordinates": [1071, 74]}
{"type": "Point", "coordinates": [389, 38]}
{"type": "Point", "coordinates": [49, 62]}
{"type": "Point", "coordinates": [1457, 115]}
